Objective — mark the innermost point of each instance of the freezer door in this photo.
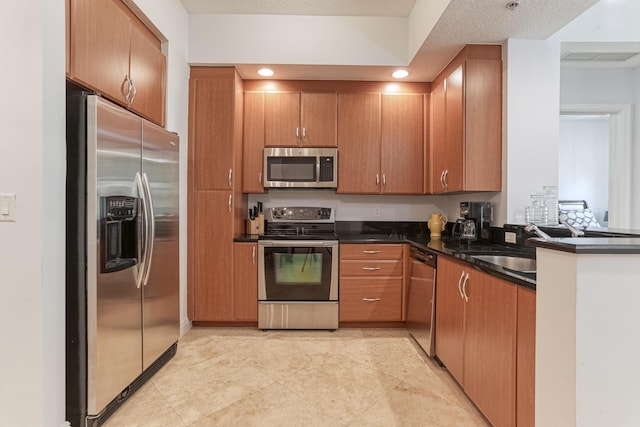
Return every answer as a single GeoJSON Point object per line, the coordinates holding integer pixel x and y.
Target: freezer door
{"type": "Point", "coordinates": [161, 294]}
{"type": "Point", "coordinates": [114, 335]}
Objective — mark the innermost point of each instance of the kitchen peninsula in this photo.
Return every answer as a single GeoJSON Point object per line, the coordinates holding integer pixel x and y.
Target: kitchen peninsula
{"type": "Point", "coordinates": [587, 323]}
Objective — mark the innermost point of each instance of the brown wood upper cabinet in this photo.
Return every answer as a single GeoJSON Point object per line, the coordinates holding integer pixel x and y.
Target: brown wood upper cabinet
{"type": "Point", "coordinates": [466, 117]}
{"type": "Point", "coordinates": [300, 119]}
{"type": "Point", "coordinates": [112, 52]}
{"type": "Point", "coordinates": [380, 143]}
{"type": "Point", "coordinates": [253, 143]}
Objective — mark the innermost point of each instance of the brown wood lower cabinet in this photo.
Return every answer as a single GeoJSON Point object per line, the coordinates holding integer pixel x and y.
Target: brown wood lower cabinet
{"type": "Point", "coordinates": [245, 282]}
{"type": "Point", "coordinates": [526, 369]}
{"type": "Point", "coordinates": [371, 282]}
{"type": "Point", "coordinates": [476, 337]}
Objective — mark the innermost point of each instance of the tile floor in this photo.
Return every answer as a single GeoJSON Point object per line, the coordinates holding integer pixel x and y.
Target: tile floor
{"type": "Point", "coordinates": [247, 377]}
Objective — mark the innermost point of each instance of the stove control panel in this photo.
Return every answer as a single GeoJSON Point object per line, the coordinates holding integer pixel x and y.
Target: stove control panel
{"type": "Point", "coordinates": [300, 214]}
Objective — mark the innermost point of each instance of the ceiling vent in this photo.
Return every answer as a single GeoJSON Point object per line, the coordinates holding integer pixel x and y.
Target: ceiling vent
{"type": "Point", "coordinates": [598, 56]}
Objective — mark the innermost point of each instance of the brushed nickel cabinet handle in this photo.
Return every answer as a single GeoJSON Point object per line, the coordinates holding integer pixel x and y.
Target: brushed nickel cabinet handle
{"type": "Point", "coordinates": [253, 255]}
{"type": "Point", "coordinates": [370, 299]}
{"type": "Point", "coordinates": [230, 178]}
{"type": "Point", "coordinates": [377, 180]}
{"type": "Point", "coordinates": [370, 252]}
{"type": "Point", "coordinates": [464, 288]}
{"type": "Point", "coordinates": [384, 180]}
{"type": "Point", "coordinates": [371, 268]}
{"type": "Point", "coordinates": [260, 178]}
{"type": "Point", "coordinates": [460, 285]}
{"type": "Point", "coordinates": [230, 196]}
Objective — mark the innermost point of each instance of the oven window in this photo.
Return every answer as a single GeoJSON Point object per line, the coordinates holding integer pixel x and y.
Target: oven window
{"type": "Point", "coordinates": [291, 169]}
{"type": "Point", "coordinates": [297, 273]}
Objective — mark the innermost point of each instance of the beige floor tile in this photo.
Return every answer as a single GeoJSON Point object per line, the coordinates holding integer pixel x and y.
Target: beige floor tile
{"type": "Point", "coordinates": [249, 377]}
{"type": "Point", "coordinates": [145, 408]}
{"type": "Point", "coordinates": [274, 405]}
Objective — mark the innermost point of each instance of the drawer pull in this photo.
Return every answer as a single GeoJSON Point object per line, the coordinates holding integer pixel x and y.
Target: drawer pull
{"type": "Point", "coordinates": [370, 252]}
{"type": "Point", "coordinates": [371, 268]}
{"type": "Point", "coordinates": [370, 299]}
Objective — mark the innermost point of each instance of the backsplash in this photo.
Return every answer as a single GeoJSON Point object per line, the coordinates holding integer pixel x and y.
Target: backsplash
{"type": "Point", "coordinates": [356, 207]}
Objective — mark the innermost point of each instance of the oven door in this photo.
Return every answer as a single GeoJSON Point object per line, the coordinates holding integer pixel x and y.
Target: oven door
{"type": "Point", "coordinates": [298, 270]}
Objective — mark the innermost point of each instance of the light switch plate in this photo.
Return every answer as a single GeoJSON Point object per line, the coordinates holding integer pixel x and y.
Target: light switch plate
{"type": "Point", "coordinates": [7, 207]}
{"type": "Point", "coordinates": [509, 237]}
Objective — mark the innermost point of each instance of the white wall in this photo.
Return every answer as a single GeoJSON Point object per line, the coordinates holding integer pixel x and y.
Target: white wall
{"type": "Point", "coordinates": [285, 39]}
{"type": "Point", "coordinates": [532, 115]}
{"type": "Point", "coordinates": [32, 166]}
{"type": "Point", "coordinates": [584, 162]}
{"type": "Point", "coordinates": [170, 17]}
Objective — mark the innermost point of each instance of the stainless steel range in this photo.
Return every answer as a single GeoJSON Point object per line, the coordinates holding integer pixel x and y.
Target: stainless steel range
{"type": "Point", "coordinates": [298, 269]}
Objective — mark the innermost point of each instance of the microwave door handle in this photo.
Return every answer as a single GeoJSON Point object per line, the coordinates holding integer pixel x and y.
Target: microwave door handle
{"type": "Point", "coordinates": [318, 169]}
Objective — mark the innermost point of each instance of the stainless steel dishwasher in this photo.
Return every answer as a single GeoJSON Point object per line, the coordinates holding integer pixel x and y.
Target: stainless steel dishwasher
{"type": "Point", "coordinates": [421, 306]}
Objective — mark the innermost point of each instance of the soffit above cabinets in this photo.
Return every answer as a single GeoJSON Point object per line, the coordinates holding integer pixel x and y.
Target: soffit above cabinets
{"type": "Point", "coordinates": [424, 52]}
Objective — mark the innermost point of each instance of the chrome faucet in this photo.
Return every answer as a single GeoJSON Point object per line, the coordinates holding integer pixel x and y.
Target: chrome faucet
{"type": "Point", "coordinates": [574, 231]}
{"type": "Point", "coordinates": [531, 227]}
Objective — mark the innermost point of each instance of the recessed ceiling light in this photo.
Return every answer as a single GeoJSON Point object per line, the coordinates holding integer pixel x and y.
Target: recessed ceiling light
{"type": "Point", "coordinates": [265, 72]}
{"type": "Point", "coordinates": [400, 74]}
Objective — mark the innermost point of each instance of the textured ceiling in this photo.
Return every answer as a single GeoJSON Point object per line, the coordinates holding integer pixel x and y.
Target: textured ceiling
{"type": "Point", "coordinates": [463, 22]}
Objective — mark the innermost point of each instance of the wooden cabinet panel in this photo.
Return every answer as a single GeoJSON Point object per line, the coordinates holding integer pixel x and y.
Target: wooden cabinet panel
{"type": "Point", "coordinates": [371, 268]}
{"type": "Point", "coordinates": [211, 116]}
{"type": "Point", "coordinates": [110, 47]}
{"type": "Point", "coordinates": [380, 143]}
{"type": "Point", "coordinates": [454, 130]}
{"type": "Point", "coordinates": [318, 119]}
{"type": "Point", "coordinates": [371, 282]}
{"type": "Point", "coordinates": [363, 251]}
{"type": "Point", "coordinates": [281, 119]}
{"type": "Point", "coordinates": [100, 41]}
{"type": "Point", "coordinates": [300, 119]}
{"type": "Point", "coordinates": [526, 363]}
{"type": "Point", "coordinates": [402, 143]}
{"type": "Point", "coordinates": [490, 347]}
{"type": "Point", "coordinates": [466, 138]}
{"type": "Point", "coordinates": [438, 134]}
{"type": "Point", "coordinates": [212, 256]}
{"type": "Point", "coordinates": [253, 145]}
{"type": "Point", "coordinates": [245, 278]}
{"type": "Point", "coordinates": [147, 65]}
{"type": "Point", "coordinates": [370, 299]}
{"type": "Point", "coordinates": [359, 143]}
{"type": "Point", "coordinates": [450, 317]}
{"type": "Point", "coordinates": [215, 205]}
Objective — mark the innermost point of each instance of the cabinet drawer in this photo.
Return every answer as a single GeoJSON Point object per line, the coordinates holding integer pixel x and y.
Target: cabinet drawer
{"type": "Point", "coordinates": [366, 251]}
{"type": "Point", "coordinates": [363, 299]}
{"type": "Point", "coordinates": [370, 268]}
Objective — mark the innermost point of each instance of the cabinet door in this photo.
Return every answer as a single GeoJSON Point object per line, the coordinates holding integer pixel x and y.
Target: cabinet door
{"type": "Point", "coordinates": [245, 289]}
{"type": "Point", "coordinates": [212, 257]}
{"type": "Point", "coordinates": [211, 131]}
{"type": "Point", "coordinates": [526, 358]}
{"type": "Point", "coordinates": [100, 43]}
{"type": "Point", "coordinates": [454, 130]}
{"type": "Point", "coordinates": [253, 146]}
{"type": "Point", "coordinates": [490, 347]}
{"type": "Point", "coordinates": [438, 139]}
{"type": "Point", "coordinates": [318, 117]}
{"type": "Point", "coordinates": [450, 316]}
{"type": "Point", "coordinates": [282, 119]}
{"type": "Point", "coordinates": [359, 143]}
{"type": "Point", "coordinates": [402, 143]}
{"type": "Point", "coordinates": [147, 73]}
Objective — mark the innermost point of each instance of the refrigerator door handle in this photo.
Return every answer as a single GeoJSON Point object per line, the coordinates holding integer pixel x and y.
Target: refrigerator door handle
{"type": "Point", "coordinates": [151, 237]}
{"type": "Point", "coordinates": [143, 255]}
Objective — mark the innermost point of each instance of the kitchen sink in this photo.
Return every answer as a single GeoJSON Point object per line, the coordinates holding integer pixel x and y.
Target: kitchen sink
{"type": "Point", "coordinates": [514, 263]}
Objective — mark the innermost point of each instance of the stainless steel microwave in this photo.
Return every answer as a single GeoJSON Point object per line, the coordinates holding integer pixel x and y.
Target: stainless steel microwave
{"type": "Point", "coordinates": [293, 167]}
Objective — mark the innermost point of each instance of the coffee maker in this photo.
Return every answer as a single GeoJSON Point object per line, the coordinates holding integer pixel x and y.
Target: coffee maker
{"type": "Point", "coordinates": [481, 213]}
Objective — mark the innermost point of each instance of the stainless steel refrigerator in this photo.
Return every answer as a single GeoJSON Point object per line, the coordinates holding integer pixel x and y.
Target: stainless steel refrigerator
{"type": "Point", "coordinates": [122, 290]}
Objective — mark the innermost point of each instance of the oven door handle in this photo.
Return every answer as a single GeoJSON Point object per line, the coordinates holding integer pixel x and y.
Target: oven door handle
{"type": "Point", "coordinates": [298, 243]}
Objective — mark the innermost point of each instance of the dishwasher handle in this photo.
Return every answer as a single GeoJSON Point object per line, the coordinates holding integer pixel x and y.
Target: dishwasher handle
{"type": "Point", "coordinates": [423, 256]}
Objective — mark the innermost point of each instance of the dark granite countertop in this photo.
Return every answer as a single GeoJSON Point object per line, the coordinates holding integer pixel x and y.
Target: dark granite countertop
{"type": "Point", "coordinates": [589, 245]}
